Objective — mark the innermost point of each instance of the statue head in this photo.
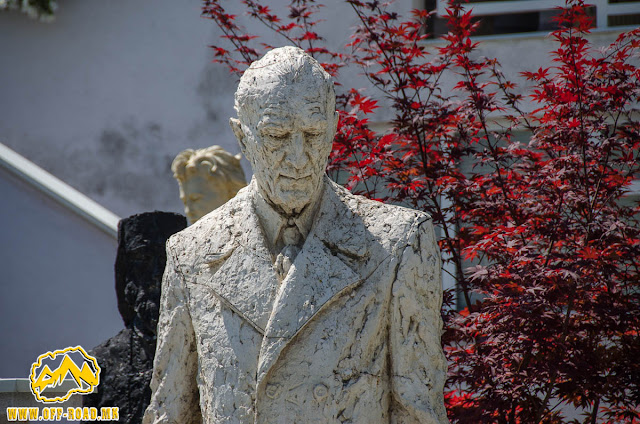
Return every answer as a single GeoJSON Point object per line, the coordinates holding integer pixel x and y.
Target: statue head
{"type": "Point", "coordinates": [208, 178]}
{"type": "Point", "coordinates": [286, 123]}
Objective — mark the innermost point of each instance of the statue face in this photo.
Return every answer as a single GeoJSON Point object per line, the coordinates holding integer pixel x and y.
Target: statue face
{"type": "Point", "coordinates": [289, 145]}
{"type": "Point", "coordinates": [201, 193]}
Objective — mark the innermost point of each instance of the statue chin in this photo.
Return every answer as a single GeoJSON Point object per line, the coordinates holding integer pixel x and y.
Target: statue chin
{"type": "Point", "coordinates": [290, 202]}
{"type": "Point", "coordinates": [294, 202]}
{"type": "Point", "coordinates": [290, 198]}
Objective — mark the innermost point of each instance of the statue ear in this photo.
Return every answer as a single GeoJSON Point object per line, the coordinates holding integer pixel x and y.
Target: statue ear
{"type": "Point", "coordinates": [236, 126]}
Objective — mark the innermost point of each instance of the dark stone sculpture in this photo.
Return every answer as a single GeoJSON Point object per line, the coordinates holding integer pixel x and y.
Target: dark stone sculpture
{"type": "Point", "coordinates": [126, 360]}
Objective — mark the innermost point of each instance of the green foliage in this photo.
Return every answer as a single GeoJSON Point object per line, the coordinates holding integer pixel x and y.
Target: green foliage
{"type": "Point", "coordinates": [43, 10]}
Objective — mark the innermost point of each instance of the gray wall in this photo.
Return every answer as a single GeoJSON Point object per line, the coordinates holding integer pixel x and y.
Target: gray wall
{"type": "Point", "coordinates": [109, 93]}
{"type": "Point", "coordinates": [56, 283]}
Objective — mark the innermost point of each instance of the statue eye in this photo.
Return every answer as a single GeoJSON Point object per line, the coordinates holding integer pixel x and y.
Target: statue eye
{"type": "Point", "coordinates": [312, 136]}
{"type": "Point", "coordinates": [276, 136]}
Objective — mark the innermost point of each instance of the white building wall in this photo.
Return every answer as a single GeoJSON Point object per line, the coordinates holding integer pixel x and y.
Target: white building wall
{"type": "Point", "coordinates": [109, 93]}
{"type": "Point", "coordinates": [56, 279]}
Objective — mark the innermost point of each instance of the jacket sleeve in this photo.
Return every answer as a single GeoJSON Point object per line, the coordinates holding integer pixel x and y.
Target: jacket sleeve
{"type": "Point", "coordinates": [174, 397]}
{"type": "Point", "coordinates": [418, 365]}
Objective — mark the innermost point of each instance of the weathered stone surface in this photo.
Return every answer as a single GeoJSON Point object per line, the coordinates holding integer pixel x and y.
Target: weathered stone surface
{"type": "Point", "coordinates": [207, 178]}
{"type": "Point", "coordinates": [140, 262]}
{"type": "Point", "coordinates": [349, 333]}
{"type": "Point", "coordinates": [124, 377]}
{"type": "Point", "coordinates": [126, 359]}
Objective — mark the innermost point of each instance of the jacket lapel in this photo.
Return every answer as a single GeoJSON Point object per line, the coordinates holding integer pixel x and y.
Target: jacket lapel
{"type": "Point", "coordinates": [322, 271]}
{"type": "Point", "coordinates": [239, 269]}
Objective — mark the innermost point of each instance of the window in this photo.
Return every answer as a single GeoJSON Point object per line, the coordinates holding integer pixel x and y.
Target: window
{"type": "Point", "coordinates": [522, 16]}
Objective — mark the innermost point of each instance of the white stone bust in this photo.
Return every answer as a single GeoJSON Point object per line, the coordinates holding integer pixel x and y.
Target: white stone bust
{"type": "Point", "coordinates": [207, 179]}
{"type": "Point", "coordinates": [296, 301]}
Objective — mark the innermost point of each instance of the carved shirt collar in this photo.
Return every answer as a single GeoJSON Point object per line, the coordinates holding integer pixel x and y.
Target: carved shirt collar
{"type": "Point", "coordinates": [272, 221]}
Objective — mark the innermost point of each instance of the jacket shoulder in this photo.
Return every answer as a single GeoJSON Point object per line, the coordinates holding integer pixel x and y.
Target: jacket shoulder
{"type": "Point", "coordinates": [383, 220]}
{"type": "Point", "coordinates": [213, 231]}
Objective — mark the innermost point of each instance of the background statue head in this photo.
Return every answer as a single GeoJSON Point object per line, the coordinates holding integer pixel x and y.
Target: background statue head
{"type": "Point", "coordinates": [140, 262]}
{"type": "Point", "coordinates": [286, 122]}
{"type": "Point", "coordinates": [208, 178]}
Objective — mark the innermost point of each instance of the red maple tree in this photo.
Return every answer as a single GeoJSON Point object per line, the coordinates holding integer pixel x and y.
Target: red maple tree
{"type": "Point", "coordinates": [541, 236]}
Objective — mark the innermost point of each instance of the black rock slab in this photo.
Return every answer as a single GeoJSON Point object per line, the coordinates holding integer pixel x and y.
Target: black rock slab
{"type": "Point", "coordinates": [126, 360]}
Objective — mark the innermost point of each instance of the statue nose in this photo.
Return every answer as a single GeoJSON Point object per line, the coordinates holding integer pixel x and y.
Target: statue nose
{"type": "Point", "coordinates": [296, 154]}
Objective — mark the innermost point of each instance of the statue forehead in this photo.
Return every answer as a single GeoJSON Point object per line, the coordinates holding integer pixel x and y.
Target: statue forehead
{"type": "Point", "coordinates": [281, 100]}
{"type": "Point", "coordinates": [283, 90]}
{"type": "Point", "coordinates": [276, 80]}
{"type": "Point", "coordinates": [293, 99]}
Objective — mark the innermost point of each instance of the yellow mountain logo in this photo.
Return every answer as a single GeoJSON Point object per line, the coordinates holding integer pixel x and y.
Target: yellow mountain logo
{"type": "Point", "coordinates": [84, 378]}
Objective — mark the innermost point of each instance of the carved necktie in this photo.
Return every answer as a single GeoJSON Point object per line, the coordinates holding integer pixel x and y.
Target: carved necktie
{"type": "Point", "coordinates": [291, 237]}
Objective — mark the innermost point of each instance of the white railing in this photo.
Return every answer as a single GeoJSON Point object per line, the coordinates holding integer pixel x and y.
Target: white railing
{"type": "Point", "coordinates": [61, 192]}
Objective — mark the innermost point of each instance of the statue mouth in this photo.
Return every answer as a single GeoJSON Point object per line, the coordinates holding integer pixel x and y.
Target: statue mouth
{"type": "Point", "coordinates": [303, 178]}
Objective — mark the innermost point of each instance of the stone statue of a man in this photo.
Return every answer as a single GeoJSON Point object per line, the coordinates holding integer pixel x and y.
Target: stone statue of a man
{"type": "Point", "coordinates": [208, 178]}
{"type": "Point", "coordinates": [296, 301]}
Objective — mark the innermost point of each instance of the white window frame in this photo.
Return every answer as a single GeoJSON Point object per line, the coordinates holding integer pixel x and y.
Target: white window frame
{"type": "Point", "coordinates": [604, 9]}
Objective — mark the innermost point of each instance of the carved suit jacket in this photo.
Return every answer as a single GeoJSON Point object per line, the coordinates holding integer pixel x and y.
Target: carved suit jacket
{"type": "Point", "coordinates": [351, 335]}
